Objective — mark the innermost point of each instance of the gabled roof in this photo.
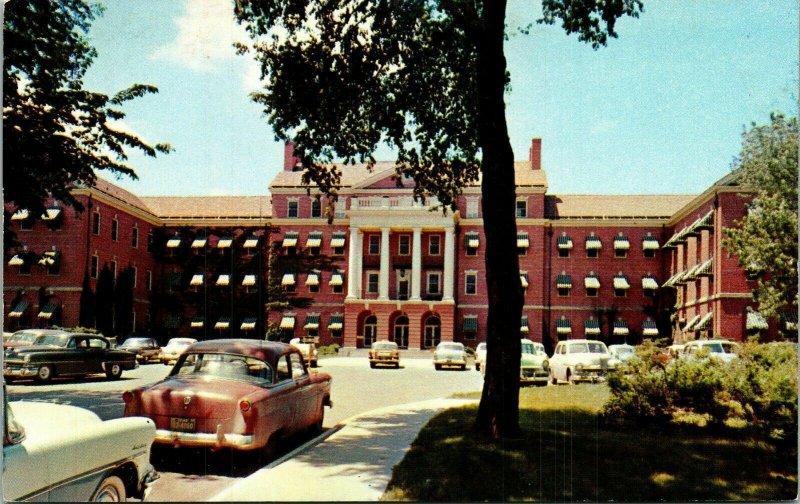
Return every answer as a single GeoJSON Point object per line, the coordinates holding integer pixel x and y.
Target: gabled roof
{"type": "Point", "coordinates": [118, 193]}
{"type": "Point", "coordinates": [650, 206]}
{"type": "Point", "coordinates": [209, 206]}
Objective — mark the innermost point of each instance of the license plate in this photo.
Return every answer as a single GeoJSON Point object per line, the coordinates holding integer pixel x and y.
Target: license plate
{"type": "Point", "coordinates": [182, 424]}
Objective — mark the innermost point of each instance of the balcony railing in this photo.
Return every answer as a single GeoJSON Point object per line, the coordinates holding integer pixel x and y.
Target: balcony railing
{"type": "Point", "coordinates": [395, 202]}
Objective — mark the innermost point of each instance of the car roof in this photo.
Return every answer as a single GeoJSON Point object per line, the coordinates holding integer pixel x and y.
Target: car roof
{"type": "Point", "coordinates": [260, 349]}
{"type": "Point", "coordinates": [43, 331]}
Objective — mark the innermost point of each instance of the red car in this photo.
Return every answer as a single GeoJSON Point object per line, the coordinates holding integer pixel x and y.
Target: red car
{"type": "Point", "coordinates": [233, 393]}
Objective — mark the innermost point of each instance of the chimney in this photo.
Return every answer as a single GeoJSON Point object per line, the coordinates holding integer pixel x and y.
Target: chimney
{"type": "Point", "coordinates": [535, 154]}
{"type": "Point", "coordinates": [290, 161]}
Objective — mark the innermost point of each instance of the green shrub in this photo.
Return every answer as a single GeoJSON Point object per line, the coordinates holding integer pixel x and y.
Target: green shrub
{"type": "Point", "coordinates": [327, 350]}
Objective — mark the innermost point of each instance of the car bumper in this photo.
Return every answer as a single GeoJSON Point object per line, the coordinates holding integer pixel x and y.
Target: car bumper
{"type": "Point", "coordinates": [384, 360]}
{"type": "Point", "coordinates": [450, 362]}
{"type": "Point", "coordinates": [22, 372]}
{"type": "Point", "coordinates": [590, 375]}
{"type": "Point", "coordinates": [537, 375]}
{"type": "Point", "coordinates": [216, 440]}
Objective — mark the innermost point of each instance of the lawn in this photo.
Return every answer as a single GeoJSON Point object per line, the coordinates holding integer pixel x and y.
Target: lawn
{"type": "Point", "coordinates": [569, 453]}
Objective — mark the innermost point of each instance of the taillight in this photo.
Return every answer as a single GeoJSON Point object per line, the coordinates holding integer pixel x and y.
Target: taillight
{"type": "Point", "coordinates": [127, 396]}
{"type": "Point", "coordinates": [245, 405]}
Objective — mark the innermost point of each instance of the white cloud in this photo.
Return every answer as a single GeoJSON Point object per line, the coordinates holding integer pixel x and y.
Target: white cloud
{"type": "Point", "coordinates": [205, 33]}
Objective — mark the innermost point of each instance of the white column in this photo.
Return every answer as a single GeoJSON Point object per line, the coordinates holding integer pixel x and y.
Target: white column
{"type": "Point", "coordinates": [352, 268]}
{"type": "Point", "coordinates": [359, 264]}
{"type": "Point", "coordinates": [383, 278]}
{"type": "Point", "coordinates": [449, 263]}
{"type": "Point", "coordinates": [416, 264]}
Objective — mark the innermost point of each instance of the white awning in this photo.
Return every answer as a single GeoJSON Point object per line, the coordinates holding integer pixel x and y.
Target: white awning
{"type": "Point", "coordinates": [248, 324]}
{"type": "Point", "coordinates": [650, 243]}
{"type": "Point", "coordinates": [649, 328]}
{"type": "Point", "coordinates": [290, 240]}
{"type": "Point", "coordinates": [593, 243]}
{"type": "Point", "coordinates": [564, 329]}
{"type": "Point", "coordinates": [564, 242]}
{"type": "Point", "coordinates": [704, 322]}
{"type": "Point", "coordinates": [16, 261]}
{"type": "Point", "coordinates": [314, 240]}
{"type": "Point", "coordinates": [649, 283]}
{"type": "Point", "coordinates": [224, 242]}
{"type": "Point", "coordinates": [756, 321]}
{"type": "Point", "coordinates": [199, 243]}
{"type": "Point", "coordinates": [288, 279]}
{"type": "Point", "coordinates": [591, 282]}
{"type": "Point", "coordinates": [250, 242]}
{"type": "Point", "coordinates": [621, 243]}
{"type": "Point", "coordinates": [472, 240]}
{"type": "Point", "coordinates": [197, 323]}
{"type": "Point", "coordinates": [312, 279]}
{"type": "Point", "coordinates": [620, 330]}
{"type": "Point", "coordinates": [312, 321]}
{"type": "Point", "coordinates": [620, 282]}
{"type": "Point", "coordinates": [287, 322]}
{"type": "Point", "coordinates": [174, 242]}
{"type": "Point", "coordinates": [197, 280]}
{"type": "Point", "coordinates": [338, 240]}
{"type": "Point", "coordinates": [224, 279]}
{"type": "Point", "coordinates": [523, 279]}
{"type": "Point", "coordinates": [336, 279]}
{"type": "Point", "coordinates": [249, 280]}
{"type": "Point", "coordinates": [522, 240]}
{"type": "Point", "coordinates": [20, 214]}
{"type": "Point", "coordinates": [51, 214]}
{"type": "Point", "coordinates": [336, 322]}
{"type": "Point", "coordinates": [48, 259]}
{"type": "Point", "coordinates": [223, 323]}
{"type": "Point", "coordinates": [692, 321]}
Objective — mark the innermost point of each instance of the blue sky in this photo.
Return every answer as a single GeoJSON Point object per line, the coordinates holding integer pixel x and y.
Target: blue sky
{"type": "Point", "coordinates": [660, 110]}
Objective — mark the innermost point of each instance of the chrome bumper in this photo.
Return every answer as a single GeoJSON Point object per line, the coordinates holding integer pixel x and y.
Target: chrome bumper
{"type": "Point", "coordinates": [219, 439]}
{"type": "Point", "coordinates": [24, 372]}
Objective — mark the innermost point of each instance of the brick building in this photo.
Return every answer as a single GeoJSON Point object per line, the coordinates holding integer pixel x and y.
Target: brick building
{"type": "Point", "coordinates": [614, 267]}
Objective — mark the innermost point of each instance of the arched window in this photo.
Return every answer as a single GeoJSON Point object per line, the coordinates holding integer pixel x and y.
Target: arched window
{"type": "Point", "coordinates": [401, 331]}
{"type": "Point", "coordinates": [433, 332]}
{"type": "Point", "coordinates": [370, 330]}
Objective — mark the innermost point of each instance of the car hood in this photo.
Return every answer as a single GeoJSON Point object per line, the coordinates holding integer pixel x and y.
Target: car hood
{"type": "Point", "coordinates": [37, 419]}
{"type": "Point", "coordinates": [203, 397]}
{"type": "Point", "coordinates": [532, 360]}
{"type": "Point", "coordinates": [33, 349]}
{"type": "Point", "coordinates": [591, 359]}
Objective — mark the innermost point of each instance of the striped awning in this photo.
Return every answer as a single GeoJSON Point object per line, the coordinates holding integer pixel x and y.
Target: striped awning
{"type": "Point", "coordinates": [704, 222]}
{"type": "Point", "coordinates": [523, 324]}
{"type": "Point", "coordinates": [199, 243]}
{"type": "Point", "coordinates": [650, 242]}
{"type": "Point", "coordinates": [620, 327]}
{"type": "Point", "coordinates": [563, 281]}
{"type": "Point", "coordinates": [312, 279]}
{"type": "Point", "coordinates": [174, 242]}
{"type": "Point", "coordinates": [649, 282]}
{"type": "Point", "coordinates": [690, 325]}
{"type": "Point", "coordinates": [591, 327]}
{"type": "Point", "coordinates": [248, 323]}
{"type": "Point", "coordinates": [20, 214]}
{"type": "Point", "coordinates": [621, 282]}
{"type": "Point", "coordinates": [223, 323]}
{"type": "Point", "coordinates": [198, 322]}
{"type": "Point", "coordinates": [593, 243]}
{"type": "Point", "coordinates": [16, 260]}
{"type": "Point", "coordinates": [287, 280]}
{"type": "Point", "coordinates": [314, 239]}
{"type": "Point", "coordinates": [312, 321]}
{"type": "Point", "coordinates": [250, 242]}
{"type": "Point", "coordinates": [48, 310]}
{"type": "Point", "coordinates": [290, 240]}
{"type": "Point", "coordinates": [51, 213]}
{"type": "Point", "coordinates": [470, 323]}
{"type": "Point", "coordinates": [336, 279]}
{"type": "Point", "coordinates": [249, 280]}
{"type": "Point", "coordinates": [522, 240]}
{"type": "Point", "coordinates": [336, 322]}
{"type": "Point", "coordinates": [591, 281]}
{"type": "Point", "coordinates": [621, 243]}
{"type": "Point", "coordinates": [471, 240]}
{"type": "Point", "coordinates": [756, 321]}
{"type": "Point", "coordinates": [197, 279]}
{"type": "Point", "coordinates": [563, 326]}
{"type": "Point", "coordinates": [705, 269]}
{"type": "Point", "coordinates": [671, 281]}
{"type": "Point", "coordinates": [224, 279]}
{"type": "Point", "coordinates": [789, 320]}
{"type": "Point", "coordinates": [225, 242]}
{"type": "Point", "coordinates": [338, 239]}
{"type": "Point", "coordinates": [523, 279]}
{"type": "Point", "coordinates": [677, 238]}
{"type": "Point", "coordinates": [287, 321]}
{"type": "Point", "coordinates": [19, 309]}
{"type": "Point", "coordinates": [649, 328]}
{"type": "Point", "coordinates": [689, 274]}
{"type": "Point", "coordinates": [704, 322]}
{"type": "Point", "coordinates": [49, 258]}
{"type": "Point", "coordinates": [564, 242]}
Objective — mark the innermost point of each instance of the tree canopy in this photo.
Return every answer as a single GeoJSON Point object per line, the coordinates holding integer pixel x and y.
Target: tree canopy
{"type": "Point", "coordinates": [765, 240]}
{"type": "Point", "coordinates": [427, 78]}
{"type": "Point", "coordinates": [55, 132]}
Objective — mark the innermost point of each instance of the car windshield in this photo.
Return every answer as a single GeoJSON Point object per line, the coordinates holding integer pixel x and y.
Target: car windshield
{"type": "Point", "coordinates": [130, 342]}
{"type": "Point", "coordinates": [455, 347]}
{"type": "Point", "coordinates": [23, 337]}
{"type": "Point", "coordinates": [53, 339]}
{"type": "Point", "coordinates": [223, 365]}
{"type": "Point", "coordinates": [714, 347]}
{"type": "Point", "coordinates": [531, 348]}
{"type": "Point", "coordinates": [384, 346]}
{"type": "Point", "coordinates": [587, 348]}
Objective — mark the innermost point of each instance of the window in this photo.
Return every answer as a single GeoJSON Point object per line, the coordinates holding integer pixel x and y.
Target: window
{"type": "Point", "coordinates": [113, 268]}
{"type": "Point", "coordinates": [314, 288]}
{"type": "Point", "coordinates": [134, 274]}
{"type": "Point", "coordinates": [372, 282]}
{"type": "Point", "coordinates": [94, 267]}
{"type": "Point", "coordinates": [338, 251]}
{"type": "Point", "coordinates": [293, 209]}
{"type": "Point", "coordinates": [563, 252]}
{"type": "Point", "coordinates": [148, 278]}
{"type": "Point", "coordinates": [471, 283]}
{"type": "Point", "coordinates": [434, 245]}
{"type": "Point", "coordinates": [114, 230]}
{"type": "Point", "coordinates": [370, 330]}
{"type": "Point", "coordinates": [26, 224]}
{"type": "Point", "coordinates": [621, 253]}
{"type": "Point", "coordinates": [374, 245]}
{"type": "Point", "coordinates": [135, 237]}
{"type": "Point", "coordinates": [96, 223]}
{"type": "Point", "coordinates": [472, 251]}
{"type": "Point", "coordinates": [649, 253]}
{"type": "Point", "coordinates": [316, 208]}
{"type": "Point", "coordinates": [472, 208]}
{"type": "Point", "coordinates": [434, 282]}
{"type": "Point", "coordinates": [404, 245]}
{"type": "Point", "coordinates": [522, 208]}
{"type": "Point", "coordinates": [591, 291]}
{"type": "Point", "coordinates": [620, 292]}
{"type": "Point", "coordinates": [150, 241]}
{"type": "Point", "coordinates": [402, 285]}
{"type": "Point", "coordinates": [564, 291]}
{"type": "Point", "coordinates": [592, 253]}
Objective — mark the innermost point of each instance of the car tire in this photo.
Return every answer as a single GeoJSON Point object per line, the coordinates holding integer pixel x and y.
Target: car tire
{"type": "Point", "coordinates": [477, 366]}
{"type": "Point", "coordinates": [464, 367]}
{"type": "Point", "coordinates": [44, 374]}
{"type": "Point", "coordinates": [113, 371]}
{"type": "Point", "coordinates": [438, 367]}
{"type": "Point", "coordinates": [268, 452]}
{"type": "Point", "coordinates": [553, 379]}
{"type": "Point", "coordinates": [570, 378]}
{"type": "Point", "coordinates": [372, 365]}
{"type": "Point", "coordinates": [111, 489]}
{"type": "Point", "coordinates": [397, 366]}
{"type": "Point", "coordinates": [316, 427]}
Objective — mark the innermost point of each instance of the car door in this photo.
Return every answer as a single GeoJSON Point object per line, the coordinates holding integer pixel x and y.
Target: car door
{"type": "Point", "coordinates": [93, 351]}
{"type": "Point", "coordinates": [285, 397]}
{"type": "Point", "coordinates": [307, 403]}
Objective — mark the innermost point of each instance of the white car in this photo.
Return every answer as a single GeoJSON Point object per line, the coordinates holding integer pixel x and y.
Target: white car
{"type": "Point", "coordinates": [480, 356]}
{"type": "Point", "coordinates": [621, 352]}
{"type": "Point", "coordinates": [719, 349]}
{"type": "Point", "coordinates": [580, 360]}
{"type": "Point", "coordinates": [169, 354]}
{"type": "Point", "coordinates": [54, 452]}
{"type": "Point", "coordinates": [451, 354]}
{"type": "Point", "coordinates": [534, 366]}
{"type": "Point", "coordinates": [308, 348]}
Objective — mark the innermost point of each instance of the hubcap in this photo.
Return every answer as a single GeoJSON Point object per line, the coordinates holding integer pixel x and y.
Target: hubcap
{"type": "Point", "coordinates": [115, 369]}
{"type": "Point", "coordinates": [44, 372]}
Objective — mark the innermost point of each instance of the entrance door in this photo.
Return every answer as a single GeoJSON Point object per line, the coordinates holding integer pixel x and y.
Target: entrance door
{"type": "Point", "coordinates": [433, 332]}
{"type": "Point", "coordinates": [401, 331]}
{"type": "Point", "coordinates": [370, 330]}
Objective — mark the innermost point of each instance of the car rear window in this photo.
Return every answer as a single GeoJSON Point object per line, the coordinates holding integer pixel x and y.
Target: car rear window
{"type": "Point", "coordinates": [222, 365]}
{"type": "Point", "coordinates": [384, 346]}
{"type": "Point", "coordinates": [451, 346]}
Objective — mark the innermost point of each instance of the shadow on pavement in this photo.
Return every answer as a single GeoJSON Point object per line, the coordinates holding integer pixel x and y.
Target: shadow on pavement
{"type": "Point", "coordinates": [105, 404]}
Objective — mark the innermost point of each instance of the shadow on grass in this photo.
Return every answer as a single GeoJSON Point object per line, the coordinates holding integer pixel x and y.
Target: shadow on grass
{"type": "Point", "coordinates": [570, 454]}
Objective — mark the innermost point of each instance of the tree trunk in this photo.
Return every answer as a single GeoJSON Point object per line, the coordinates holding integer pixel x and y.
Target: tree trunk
{"type": "Point", "coordinates": [498, 413]}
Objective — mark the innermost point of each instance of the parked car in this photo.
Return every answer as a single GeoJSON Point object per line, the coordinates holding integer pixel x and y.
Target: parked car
{"type": "Point", "coordinates": [308, 349]}
{"type": "Point", "coordinates": [67, 354]}
{"type": "Point", "coordinates": [146, 349]}
{"type": "Point", "coordinates": [233, 393]}
{"type": "Point", "coordinates": [622, 352]}
{"type": "Point", "coordinates": [384, 353]}
{"type": "Point", "coordinates": [719, 349]}
{"type": "Point", "coordinates": [480, 356]}
{"type": "Point", "coordinates": [54, 452]}
{"type": "Point", "coordinates": [580, 360]}
{"type": "Point", "coordinates": [27, 337]}
{"type": "Point", "coordinates": [534, 366]}
{"type": "Point", "coordinates": [450, 354]}
{"type": "Point", "coordinates": [174, 348]}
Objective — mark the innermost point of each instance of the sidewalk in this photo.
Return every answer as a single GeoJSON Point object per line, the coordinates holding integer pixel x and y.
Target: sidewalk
{"type": "Point", "coordinates": [353, 464]}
